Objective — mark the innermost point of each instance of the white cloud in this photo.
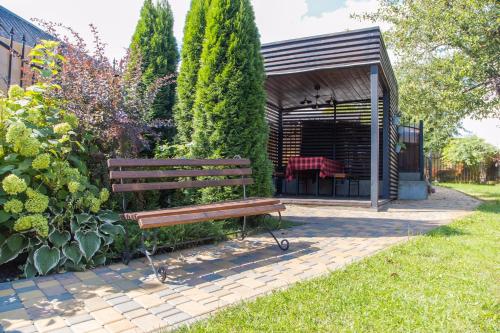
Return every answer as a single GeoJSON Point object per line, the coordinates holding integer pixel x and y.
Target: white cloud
{"type": "Point", "coordinates": [279, 20]}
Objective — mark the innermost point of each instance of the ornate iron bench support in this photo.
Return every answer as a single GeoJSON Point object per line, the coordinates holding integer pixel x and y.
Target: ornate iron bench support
{"type": "Point", "coordinates": [284, 244]}
{"type": "Point", "coordinates": [161, 270]}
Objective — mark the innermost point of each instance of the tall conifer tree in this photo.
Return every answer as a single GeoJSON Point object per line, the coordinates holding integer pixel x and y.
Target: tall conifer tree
{"type": "Point", "coordinates": [192, 45]}
{"type": "Point", "coordinates": [154, 44]}
{"type": "Point", "coordinates": [229, 110]}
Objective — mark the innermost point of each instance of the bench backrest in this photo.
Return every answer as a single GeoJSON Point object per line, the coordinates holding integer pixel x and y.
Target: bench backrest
{"type": "Point", "coordinates": [134, 173]}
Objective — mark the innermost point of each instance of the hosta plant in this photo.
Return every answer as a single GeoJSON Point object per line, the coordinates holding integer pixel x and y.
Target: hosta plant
{"type": "Point", "coordinates": [51, 214]}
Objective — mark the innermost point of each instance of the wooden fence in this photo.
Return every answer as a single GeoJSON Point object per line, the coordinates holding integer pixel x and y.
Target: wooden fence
{"type": "Point", "coordinates": [436, 169]}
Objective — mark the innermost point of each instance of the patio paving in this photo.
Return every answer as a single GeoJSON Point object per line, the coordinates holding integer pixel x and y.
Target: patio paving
{"type": "Point", "coordinates": [121, 298]}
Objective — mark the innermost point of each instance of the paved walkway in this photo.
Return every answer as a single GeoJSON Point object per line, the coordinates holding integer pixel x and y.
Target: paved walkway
{"type": "Point", "coordinates": [121, 298]}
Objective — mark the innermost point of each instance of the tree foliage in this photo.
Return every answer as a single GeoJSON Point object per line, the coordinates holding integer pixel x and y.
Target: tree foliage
{"type": "Point", "coordinates": [447, 61]}
{"type": "Point", "coordinates": [229, 109]}
{"type": "Point", "coordinates": [112, 108]}
{"type": "Point", "coordinates": [192, 44]}
{"type": "Point", "coordinates": [154, 47]}
{"type": "Point", "coordinates": [470, 151]}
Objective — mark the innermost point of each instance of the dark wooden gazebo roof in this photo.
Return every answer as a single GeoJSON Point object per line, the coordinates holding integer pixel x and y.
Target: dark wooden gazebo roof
{"type": "Point", "coordinates": [298, 64]}
{"type": "Point", "coordinates": [356, 86]}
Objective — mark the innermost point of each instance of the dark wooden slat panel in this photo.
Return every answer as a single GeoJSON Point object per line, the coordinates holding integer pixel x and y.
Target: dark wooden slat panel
{"type": "Point", "coordinates": [321, 56]}
{"type": "Point", "coordinates": [250, 202]}
{"type": "Point", "coordinates": [322, 49]}
{"type": "Point", "coordinates": [138, 162]}
{"type": "Point", "coordinates": [363, 59]}
{"type": "Point", "coordinates": [328, 39]}
{"type": "Point", "coordinates": [313, 133]}
{"type": "Point", "coordinates": [272, 118]}
{"type": "Point", "coordinates": [178, 173]}
{"type": "Point", "coordinates": [136, 187]}
{"type": "Point", "coordinates": [163, 221]}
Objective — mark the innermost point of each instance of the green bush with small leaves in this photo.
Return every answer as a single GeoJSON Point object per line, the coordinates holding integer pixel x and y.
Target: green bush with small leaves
{"type": "Point", "coordinates": [49, 209]}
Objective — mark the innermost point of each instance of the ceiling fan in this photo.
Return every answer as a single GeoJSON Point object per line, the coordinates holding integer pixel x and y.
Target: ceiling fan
{"type": "Point", "coordinates": [331, 101]}
{"type": "Point", "coordinates": [305, 101]}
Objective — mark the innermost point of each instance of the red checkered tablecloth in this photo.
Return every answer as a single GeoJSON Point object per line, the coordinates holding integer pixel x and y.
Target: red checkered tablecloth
{"type": "Point", "coordinates": [326, 167]}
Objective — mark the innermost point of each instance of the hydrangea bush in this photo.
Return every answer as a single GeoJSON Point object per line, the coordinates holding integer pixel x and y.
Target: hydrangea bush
{"type": "Point", "coordinates": [50, 213]}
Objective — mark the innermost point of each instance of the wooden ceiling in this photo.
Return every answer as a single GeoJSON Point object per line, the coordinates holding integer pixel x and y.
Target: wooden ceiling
{"type": "Point", "coordinates": [345, 84]}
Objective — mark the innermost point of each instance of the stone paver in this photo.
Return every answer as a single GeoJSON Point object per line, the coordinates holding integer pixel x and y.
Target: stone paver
{"type": "Point", "coordinates": [120, 298]}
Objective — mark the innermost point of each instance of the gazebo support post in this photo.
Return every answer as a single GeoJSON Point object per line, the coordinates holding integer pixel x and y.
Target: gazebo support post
{"type": "Point", "coordinates": [374, 148]}
{"type": "Point", "coordinates": [386, 182]}
{"type": "Point", "coordinates": [279, 180]}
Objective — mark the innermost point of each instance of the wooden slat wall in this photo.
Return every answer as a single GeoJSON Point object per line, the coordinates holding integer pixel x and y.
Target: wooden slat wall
{"type": "Point", "coordinates": [390, 78]}
{"type": "Point", "coordinates": [272, 117]}
{"type": "Point", "coordinates": [348, 48]}
{"type": "Point", "coordinates": [309, 132]}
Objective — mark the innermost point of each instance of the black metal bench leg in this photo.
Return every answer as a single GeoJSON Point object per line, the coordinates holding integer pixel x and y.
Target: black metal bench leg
{"type": "Point", "coordinates": [244, 228]}
{"type": "Point", "coordinates": [127, 254]}
{"type": "Point", "coordinates": [284, 244]}
{"type": "Point", "coordinates": [161, 271]}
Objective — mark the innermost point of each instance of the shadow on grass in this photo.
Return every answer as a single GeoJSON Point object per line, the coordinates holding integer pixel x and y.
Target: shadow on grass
{"type": "Point", "coordinates": [446, 231]}
{"type": "Point", "coordinates": [488, 196]}
{"type": "Point", "coordinates": [492, 206]}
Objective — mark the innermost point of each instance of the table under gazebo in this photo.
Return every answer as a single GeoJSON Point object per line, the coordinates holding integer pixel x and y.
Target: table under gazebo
{"type": "Point", "coordinates": [332, 101]}
{"type": "Point", "coordinates": [322, 167]}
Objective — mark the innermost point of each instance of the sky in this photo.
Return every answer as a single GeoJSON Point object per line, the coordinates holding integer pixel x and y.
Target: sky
{"type": "Point", "coordinates": [276, 20]}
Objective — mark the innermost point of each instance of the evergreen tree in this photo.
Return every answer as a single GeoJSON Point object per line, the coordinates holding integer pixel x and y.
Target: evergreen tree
{"type": "Point", "coordinates": [229, 110]}
{"type": "Point", "coordinates": [154, 45]}
{"type": "Point", "coordinates": [192, 44]}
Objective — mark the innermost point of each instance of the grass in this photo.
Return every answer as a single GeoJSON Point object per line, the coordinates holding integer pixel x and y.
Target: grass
{"type": "Point", "coordinates": [444, 281]}
{"type": "Point", "coordinates": [483, 192]}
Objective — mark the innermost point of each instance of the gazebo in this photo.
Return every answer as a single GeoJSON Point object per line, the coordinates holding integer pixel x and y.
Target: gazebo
{"type": "Point", "coordinates": [333, 98]}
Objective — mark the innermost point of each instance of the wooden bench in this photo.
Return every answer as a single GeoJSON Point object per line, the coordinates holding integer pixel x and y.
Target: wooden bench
{"type": "Point", "coordinates": [135, 175]}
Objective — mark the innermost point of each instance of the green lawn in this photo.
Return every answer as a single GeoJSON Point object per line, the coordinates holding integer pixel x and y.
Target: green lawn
{"type": "Point", "coordinates": [484, 192]}
{"type": "Point", "coordinates": [444, 281]}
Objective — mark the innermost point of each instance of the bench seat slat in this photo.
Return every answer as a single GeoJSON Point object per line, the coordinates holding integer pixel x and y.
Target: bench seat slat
{"type": "Point", "coordinates": [250, 202]}
{"type": "Point", "coordinates": [144, 162]}
{"type": "Point", "coordinates": [163, 221]}
{"type": "Point", "coordinates": [143, 174]}
{"type": "Point", "coordinates": [136, 187]}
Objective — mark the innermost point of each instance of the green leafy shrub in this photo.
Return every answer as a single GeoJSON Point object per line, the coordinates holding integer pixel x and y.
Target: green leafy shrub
{"type": "Point", "coordinates": [471, 151]}
{"type": "Point", "coordinates": [50, 210]}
